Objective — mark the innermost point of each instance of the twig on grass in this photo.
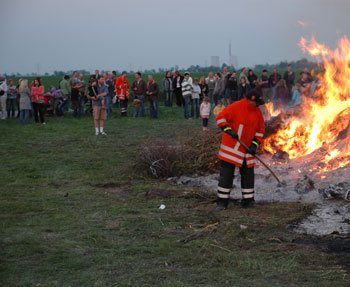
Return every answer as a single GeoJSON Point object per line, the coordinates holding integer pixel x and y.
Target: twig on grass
{"type": "Point", "coordinates": [223, 248]}
{"type": "Point", "coordinates": [161, 221]}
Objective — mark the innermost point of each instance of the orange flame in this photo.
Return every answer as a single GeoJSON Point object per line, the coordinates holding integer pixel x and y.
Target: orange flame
{"type": "Point", "coordinates": [325, 114]}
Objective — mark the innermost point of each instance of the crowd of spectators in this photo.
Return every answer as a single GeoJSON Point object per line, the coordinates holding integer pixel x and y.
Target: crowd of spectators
{"type": "Point", "coordinates": [110, 92]}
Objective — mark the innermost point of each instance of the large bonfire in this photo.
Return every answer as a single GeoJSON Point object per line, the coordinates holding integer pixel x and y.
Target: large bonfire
{"type": "Point", "coordinates": [323, 123]}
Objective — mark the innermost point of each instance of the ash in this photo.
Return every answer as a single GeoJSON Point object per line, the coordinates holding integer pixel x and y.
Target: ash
{"type": "Point", "coordinates": [303, 181]}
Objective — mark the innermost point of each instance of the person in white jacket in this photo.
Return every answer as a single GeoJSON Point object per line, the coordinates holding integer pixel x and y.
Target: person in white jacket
{"type": "Point", "coordinates": [3, 97]}
{"type": "Point", "coordinates": [196, 91]}
{"type": "Point", "coordinates": [205, 113]}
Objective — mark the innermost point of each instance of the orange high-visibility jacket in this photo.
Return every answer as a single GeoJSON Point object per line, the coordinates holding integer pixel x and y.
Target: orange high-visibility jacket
{"type": "Point", "coordinates": [122, 88]}
{"type": "Point", "coordinates": [248, 122]}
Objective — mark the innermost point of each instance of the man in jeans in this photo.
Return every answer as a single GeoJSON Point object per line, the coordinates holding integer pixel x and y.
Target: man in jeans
{"type": "Point", "coordinates": [139, 88]}
{"type": "Point", "coordinates": [98, 92]}
{"type": "Point", "coordinates": [152, 93]}
{"type": "Point", "coordinates": [65, 89]}
{"type": "Point", "coordinates": [187, 94]}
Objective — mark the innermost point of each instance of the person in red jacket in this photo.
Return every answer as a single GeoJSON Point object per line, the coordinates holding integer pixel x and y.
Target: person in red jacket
{"type": "Point", "coordinates": [241, 120]}
{"type": "Point", "coordinates": [123, 93]}
{"type": "Point", "coordinates": [37, 91]}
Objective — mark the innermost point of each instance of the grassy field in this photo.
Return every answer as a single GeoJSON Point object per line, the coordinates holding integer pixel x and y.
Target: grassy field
{"type": "Point", "coordinates": [75, 211]}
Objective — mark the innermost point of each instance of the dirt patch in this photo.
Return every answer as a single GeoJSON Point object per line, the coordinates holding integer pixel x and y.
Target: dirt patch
{"type": "Point", "coordinates": [121, 190]}
{"type": "Point", "coordinates": [337, 246]}
{"type": "Point", "coordinates": [163, 193]}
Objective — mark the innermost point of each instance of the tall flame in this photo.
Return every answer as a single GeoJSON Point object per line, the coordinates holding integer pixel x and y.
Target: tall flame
{"type": "Point", "coordinates": [318, 124]}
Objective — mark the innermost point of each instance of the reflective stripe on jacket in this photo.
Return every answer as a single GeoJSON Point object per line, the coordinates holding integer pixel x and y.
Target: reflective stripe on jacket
{"type": "Point", "coordinates": [248, 122]}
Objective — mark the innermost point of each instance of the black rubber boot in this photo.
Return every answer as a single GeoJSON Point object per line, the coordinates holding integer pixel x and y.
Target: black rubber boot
{"type": "Point", "coordinates": [222, 204]}
{"type": "Point", "coordinates": [248, 203]}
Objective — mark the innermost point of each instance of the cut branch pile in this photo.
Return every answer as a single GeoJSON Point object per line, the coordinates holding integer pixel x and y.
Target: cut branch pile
{"type": "Point", "coordinates": [197, 152]}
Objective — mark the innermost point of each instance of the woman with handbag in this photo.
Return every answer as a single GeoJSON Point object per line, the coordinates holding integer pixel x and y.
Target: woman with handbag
{"type": "Point", "coordinates": [37, 91]}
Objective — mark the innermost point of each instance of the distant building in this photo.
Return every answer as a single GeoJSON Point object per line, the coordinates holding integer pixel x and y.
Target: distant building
{"type": "Point", "coordinates": [215, 61]}
{"type": "Point", "coordinates": [233, 62]}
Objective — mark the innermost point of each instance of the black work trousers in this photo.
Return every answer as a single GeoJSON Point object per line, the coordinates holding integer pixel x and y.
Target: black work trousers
{"type": "Point", "coordinates": [227, 172]}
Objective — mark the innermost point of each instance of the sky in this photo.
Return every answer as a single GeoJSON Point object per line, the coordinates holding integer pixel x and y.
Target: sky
{"type": "Point", "coordinates": [48, 35]}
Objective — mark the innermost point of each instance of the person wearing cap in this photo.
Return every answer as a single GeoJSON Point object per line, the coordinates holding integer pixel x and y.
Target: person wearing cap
{"type": "Point", "coordinates": [241, 120]}
{"type": "Point", "coordinates": [123, 93]}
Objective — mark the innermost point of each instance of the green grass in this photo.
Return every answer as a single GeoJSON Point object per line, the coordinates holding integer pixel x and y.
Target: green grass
{"type": "Point", "coordinates": [75, 211]}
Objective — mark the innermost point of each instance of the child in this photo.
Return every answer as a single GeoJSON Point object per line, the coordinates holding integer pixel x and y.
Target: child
{"type": "Point", "coordinates": [196, 91]}
{"type": "Point", "coordinates": [137, 105]}
{"type": "Point", "coordinates": [219, 108]}
{"type": "Point", "coordinates": [205, 113]}
{"type": "Point", "coordinates": [297, 97]}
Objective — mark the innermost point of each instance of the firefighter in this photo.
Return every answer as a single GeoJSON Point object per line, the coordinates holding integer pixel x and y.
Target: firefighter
{"type": "Point", "coordinates": [122, 86]}
{"type": "Point", "coordinates": [241, 120]}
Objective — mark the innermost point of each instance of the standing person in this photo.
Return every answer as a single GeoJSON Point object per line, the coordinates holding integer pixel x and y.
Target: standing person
{"type": "Point", "coordinates": [123, 93]}
{"type": "Point", "coordinates": [273, 80]}
{"type": "Point", "coordinates": [82, 92]}
{"type": "Point", "coordinates": [211, 81]}
{"type": "Point", "coordinates": [37, 92]}
{"type": "Point", "coordinates": [196, 91]}
{"type": "Point", "coordinates": [97, 93]}
{"type": "Point", "coordinates": [139, 88]}
{"type": "Point", "coordinates": [11, 98]}
{"type": "Point", "coordinates": [205, 113]}
{"type": "Point", "coordinates": [177, 84]}
{"type": "Point", "coordinates": [167, 86]}
{"type": "Point", "coordinates": [108, 98]}
{"type": "Point", "coordinates": [241, 120]}
{"type": "Point", "coordinates": [74, 94]}
{"type": "Point", "coordinates": [226, 93]}
{"type": "Point", "coordinates": [24, 102]}
{"type": "Point", "coordinates": [243, 74]}
{"type": "Point", "coordinates": [243, 89]}
{"type": "Point", "coordinates": [289, 77]}
{"type": "Point", "coordinates": [152, 93]}
{"type": "Point", "coordinates": [252, 79]}
{"type": "Point", "coordinates": [75, 97]}
{"type": "Point", "coordinates": [282, 97]}
{"type": "Point", "coordinates": [65, 88]}
{"type": "Point", "coordinates": [97, 74]}
{"type": "Point", "coordinates": [265, 86]}
{"type": "Point", "coordinates": [232, 86]}
{"type": "Point", "coordinates": [219, 88]}
{"type": "Point", "coordinates": [204, 88]}
{"type": "Point", "coordinates": [187, 95]}
{"type": "Point", "coordinates": [115, 97]}
{"type": "Point", "coordinates": [3, 97]}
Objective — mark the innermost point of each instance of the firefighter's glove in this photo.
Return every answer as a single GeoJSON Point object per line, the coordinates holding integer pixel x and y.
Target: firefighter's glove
{"type": "Point", "coordinates": [253, 147]}
{"type": "Point", "coordinates": [229, 131]}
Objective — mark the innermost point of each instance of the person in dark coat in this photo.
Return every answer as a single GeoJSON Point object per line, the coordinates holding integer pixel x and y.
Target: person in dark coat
{"type": "Point", "coordinates": [282, 96]}
{"type": "Point", "coordinates": [289, 77]}
{"type": "Point", "coordinates": [177, 81]}
{"type": "Point", "coordinates": [252, 79]}
{"type": "Point", "coordinates": [243, 89]}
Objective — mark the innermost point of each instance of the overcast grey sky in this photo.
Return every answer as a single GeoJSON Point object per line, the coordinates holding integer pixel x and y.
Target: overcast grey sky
{"type": "Point", "coordinates": [117, 34]}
